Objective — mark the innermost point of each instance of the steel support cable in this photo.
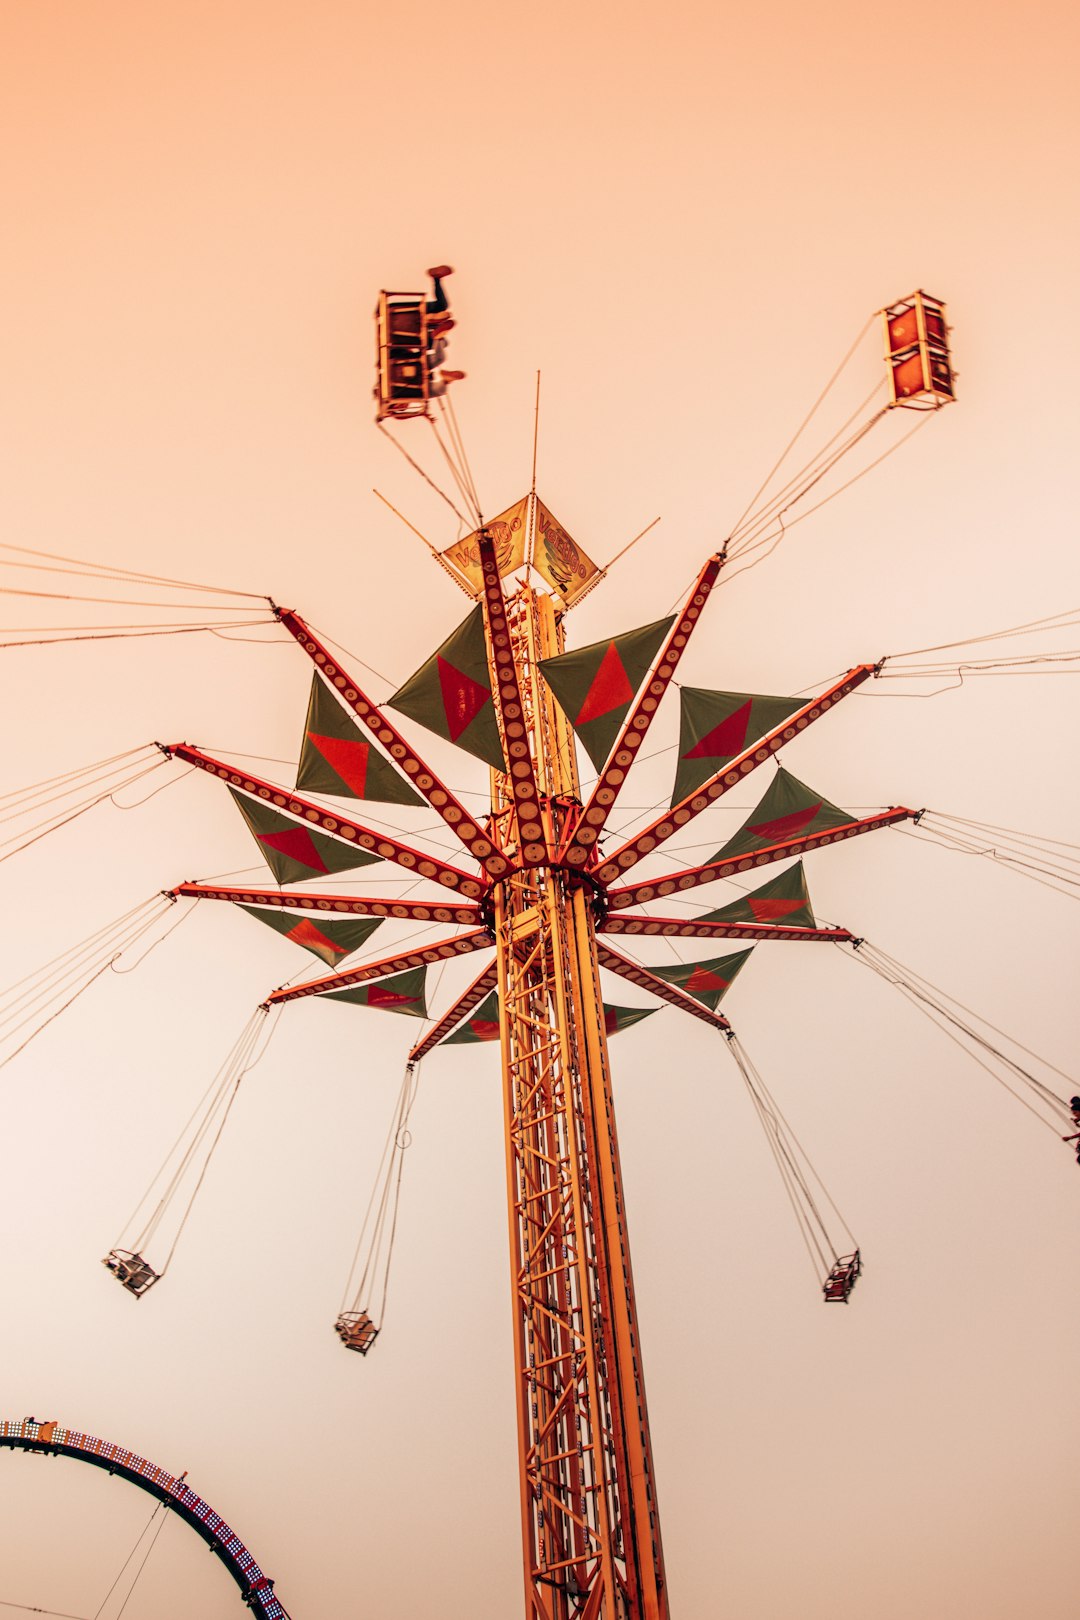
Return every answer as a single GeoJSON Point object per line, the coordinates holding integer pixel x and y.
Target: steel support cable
{"type": "Point", "coordinates": [832, 496]}
{"type": "Point", "coordinates": [114, 951]}
{"type": "Point", "coordinates": [145, 1559]}
{"type": "Point", "coordinates": [109, 570]}
{"type": "Point", "coordinates": [764, 533]}
{"type": "Point", "coordinates": [355, 658]}
{"type": "Point", "coordinates": [457, 461]}
{"type": "Point", "coordinates": [73, 951]}
{"type": "Point", "coordinates": [185, 913]}
{"type": "Point", "coordinates": [251, 1059]}
{"type": "Point", "coordinates": [929, 1000]}
{"type": "Point", "coordinates": [1031, 664]}
{"type": "Point", "coordinates": [115, 601]}
{"type": "Point", "coordinates": [995, 826]}
{"type": "Point", "coordinates": [1054, 869]}
{"type": "Point", "coordinates": [58, 976]}
{"type": "Point", "coordinates": [457, 438]}
{"type": "Point", "coordinates": [379, 1229]}
{"type": "Point", "coordinates": [819, 1256]}
{"type": "Point", "coordinates": [418, 469]}
{"type": "Point", "coordinates": [198, 1110]}
{"type": "Point", "coordinates": [47, 638]}
{"type": "Point", "coordinates": [246, 1053]}
{"type": "Point", "coordinates": [814, 469]}
{"type": "Point", "coordinates": [1057, 860]}
{"type": "Point", "coordinates": [41, 829]}
{"type": "Point", "coordinates": [803, 425]}
{"type": "Point", "coordinates": [55, 784]}
{"type": "Point", "coordinates": [1053, 621]}
{"type": "Point", "coordinates": [789, 1151]}
{"type": "Point", "coordinates": [34, 1608]}
{"type": "Point", "coordinates": [918, 978]}
{"type": "Point", "coordinates": [142, 1534]}
{"type": "Point", "coordinates": [752, 538]}
{"type": "Point", "coordinates": [458, 476]}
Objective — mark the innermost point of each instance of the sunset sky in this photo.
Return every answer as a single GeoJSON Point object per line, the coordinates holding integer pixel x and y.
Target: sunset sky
{"type": "Point", "coordinates": [683, 217]}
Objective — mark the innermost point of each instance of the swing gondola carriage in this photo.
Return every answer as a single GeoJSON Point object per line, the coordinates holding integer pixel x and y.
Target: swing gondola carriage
{"type": "Point", "coordinates": [842, 1278]}
{"type": "Point", "coordinates": [356, 1331]}
{"type": "Point", "coordinates": [131, 1270]}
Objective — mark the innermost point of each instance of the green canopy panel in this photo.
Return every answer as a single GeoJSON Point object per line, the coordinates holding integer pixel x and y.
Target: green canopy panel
{"type": "Point", "coordinates": [789, 810]}
{"type": "Point", "coordinates": [336, 757]}
{"type": "Point", "coordinates": [404, 993]}
{"type": "Point", "coordinates": [783, 899]}
{"type": "Point", "coordinates": [707, 981]}
{"type": "Point", "coordinates": [291, 849]}
{"type": "Point", "coordinates": [451, 694]}
{"type": "Point", "coordinates": [616, 1019]}
{"type": "Point", "coordinates": [331, 939]}
{"type": "Point", "coordinates": [596, 685]}
{"type": "Point", "coordinates": [716, 726]}
{"type": "Point", "coordinates": [482, 1024]}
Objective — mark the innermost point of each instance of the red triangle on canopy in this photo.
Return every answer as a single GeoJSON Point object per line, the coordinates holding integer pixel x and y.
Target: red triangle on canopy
{"type": "Point", "coordinates": [610, 689]}
{"type": "Point", "coordinates": [462, 698]}
{"type": "Point", "coordinates": [766, 910]}
{"type": "Point", "coordinates": [485, 1029]}
{"type": "Point", "coordinates": [785, 826]}
{"type": "Point", "coordinates": [388, 998]}
{"type": "Point", "coordinates": [349, 759]}
{"type": "Point", "coordinates": [305, 933]}
{"type": "Point", "coordinates": [297, 844]}
{"type": "Point", "coordinates": [726, 739]}
{"type": "Point", "coordinates": [705, 979]}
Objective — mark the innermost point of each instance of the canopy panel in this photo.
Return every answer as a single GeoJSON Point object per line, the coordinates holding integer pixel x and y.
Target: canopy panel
{"type": "Point", "coordinates": [716, 726]}
{"type": "Point", "coordinates": [508, 532]}
{"type": "Point", "coordinates": [291, 849]}
{"type": "Point", "coordinates": [331, 939]}
{"type": "Point", "coordinates": [596, 685]}
{"type": "Point", "coordinates": [616, 1019]}
{"type": "Point", "coordinates": [336, 757]}
{"type": "Point", "coordinates": [482, 1024]}
{"type": "Point", "coordinates": [404, 993]}
{"type": "Point", "coordinates": [789, 810]}
{"type": "Point", "coordinates": [783, 899]}
{"type": "Point", "coordinates": [451, 694]}
{"type": "Point", "coordinates": [560, 561]}
{"type": "Point", "coordinates": [707, 981]}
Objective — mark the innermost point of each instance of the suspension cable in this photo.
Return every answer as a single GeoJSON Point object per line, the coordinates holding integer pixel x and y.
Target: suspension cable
{"type": "Point", "coordinates": [945, 1011]}
{"type": "Point", "coordinates": [375, 1245]}
{"type": "Point", "coordinates": [797, 1173]}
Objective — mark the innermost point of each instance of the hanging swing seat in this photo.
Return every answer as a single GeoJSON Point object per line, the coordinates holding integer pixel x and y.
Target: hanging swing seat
{"type": "Point", "coordinates": [402, 341]}
{"type": "Point", "coordinates": [356, 1331]}
{"type": "Point", "coordinates": [841, 1279]}
{"type": "Point", "coordinates": [136, 1274]}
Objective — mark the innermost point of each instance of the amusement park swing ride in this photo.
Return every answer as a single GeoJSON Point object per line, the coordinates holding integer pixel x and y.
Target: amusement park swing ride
{"type": "Point", "coordinates": [552, 905]}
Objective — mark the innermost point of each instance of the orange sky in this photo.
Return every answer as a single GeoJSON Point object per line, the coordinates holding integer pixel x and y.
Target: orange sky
{"type": "Point", "coordinates": [682, 217]}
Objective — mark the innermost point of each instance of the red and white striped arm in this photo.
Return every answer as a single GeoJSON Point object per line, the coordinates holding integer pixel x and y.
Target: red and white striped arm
{"type": "Point", "coordinates": [639, 894]}
{"type": "Point", "coordinates": [617, 963]}
{"type": "Point", "coordinates": [341, 905]}
{"type": "Point", "coordinates": [699, 928]}
{"type": "Point", "coordinates": [422, 956]}
{"type": "Point", "coordinates": [507, 691]}
{"type": "Point", "coordinates": [481, 986]}
{"type": "Point", "coordinates": [403, 754]}
{"type": "Point", "coordinates": [334, 825]}
{"type": "Point", "coordinates": [581, 839]}
{"type": "Point", "coordinates": [636, 848]}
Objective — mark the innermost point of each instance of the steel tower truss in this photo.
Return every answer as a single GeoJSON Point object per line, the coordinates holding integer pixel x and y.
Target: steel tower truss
{"type": "Point", "coordinates": [545, 897]}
